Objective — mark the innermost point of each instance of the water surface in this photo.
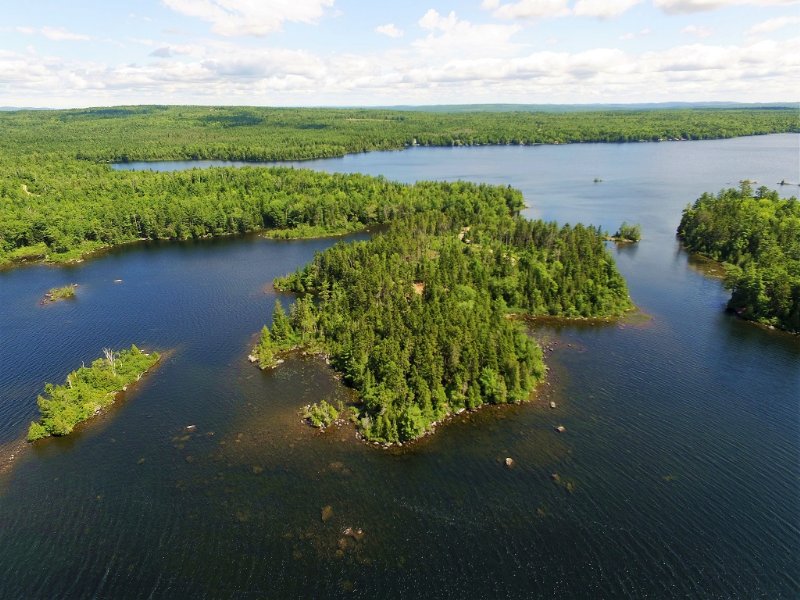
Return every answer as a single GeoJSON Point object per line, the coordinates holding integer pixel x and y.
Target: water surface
{"type": "Point", "coordinates": [681, 445]}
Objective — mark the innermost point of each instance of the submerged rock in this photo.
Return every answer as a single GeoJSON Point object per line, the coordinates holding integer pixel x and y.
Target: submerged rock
{"type": "Point", "coordinates": [354, 532]}
{"type": "Point", "coordinates": [327, 513]}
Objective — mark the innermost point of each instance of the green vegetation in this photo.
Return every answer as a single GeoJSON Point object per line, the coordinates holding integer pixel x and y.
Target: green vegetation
{"type": "Point", "coordinates": [628, 233]}
{"type": "Point", "coordinates": [60, 293]}
{"type": "Point", "coordinates": [417, 319]}
{"type": "Point", "coordinates": [321, 414]}
{"type": "Point", "coordinates": [57, 203]}
{"type": "Point", "coordinates": [88, 390]}
{"type": "Point", "coordinates": [126, 133]}
{"type": "Point", "coordinates": [297, 330]}
{"type": "Point", "coordinates": [757, 237]}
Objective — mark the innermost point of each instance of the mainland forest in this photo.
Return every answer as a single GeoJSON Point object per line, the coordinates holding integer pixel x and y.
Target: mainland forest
{"type": "Point", "coordinates": [756, 235]}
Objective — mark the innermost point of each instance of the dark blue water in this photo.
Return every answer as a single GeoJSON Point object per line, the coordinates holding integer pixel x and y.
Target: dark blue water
{"type": "Point", "coordinates": [682, 445]}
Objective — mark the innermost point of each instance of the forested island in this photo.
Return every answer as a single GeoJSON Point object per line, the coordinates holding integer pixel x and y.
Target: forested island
{"type": "Point", "coordinates": [756, 235]}
{"type": "Point", "coordinates": [60, 202]}
{"type": "Point", "coordinates": [420, 319]}
{"type": "Point", "coordinates": [88, 390]}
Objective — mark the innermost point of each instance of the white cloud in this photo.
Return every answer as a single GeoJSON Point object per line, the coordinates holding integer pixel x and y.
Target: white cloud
{"type": "Point", "coordinates": [250, 17]}
{"type": "Point", "coordinates": [690, 6]}
{"type": "Point", "coordinates": [544, 9]}
{"type": "Point", "coordinates": [390, 30]}
{"type": "Point", "coordinates": [771, 25]}
{"type": "Point", "coordinates": [425, 71]}
{"type": "Point", "coordinates": [448, 36]}
{"type": "Point", "coordinates": [603, 9]}
{"type": "Point", "coordinates": [632, 35]}
{"type": "Point", "coordinates": [699, 31]}
{"type": "Point", "coordinates": [527, 9]}
{"type": "Point", "coordinates": [58, 34]}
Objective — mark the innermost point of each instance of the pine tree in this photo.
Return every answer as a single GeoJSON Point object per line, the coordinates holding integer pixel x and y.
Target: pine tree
{"type": "Point", "coordinates": [264, 350]}
{"type": "Point", "coordinates": [282, 332]}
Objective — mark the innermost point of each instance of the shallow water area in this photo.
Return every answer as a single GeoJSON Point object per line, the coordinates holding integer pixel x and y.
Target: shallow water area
{"type": "Point", "coordinates": [677, 469]}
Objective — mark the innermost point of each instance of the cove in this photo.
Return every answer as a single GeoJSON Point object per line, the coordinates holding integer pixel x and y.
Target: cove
{"type": "Point", "coordinates": [681, 432]}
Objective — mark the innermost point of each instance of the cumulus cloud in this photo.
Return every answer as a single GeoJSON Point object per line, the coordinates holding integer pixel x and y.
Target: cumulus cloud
{"type": "Point", "coordinates": [390, 30]}
{"type": "Point", "coordinates": [449, 36]}
{"type": "Point", "coordinates": [527, 9]}
{"type": "Point", "coordinates": [223, 71]}
{"type": "Point", "coordinates": [543, 9]}
{"type": "Point", "coordinates": [603, 9]}
{"type": "Point", "coordinates": [771, 25]}
{"type": "Point", "coordinates": [699, 31]}
{"type": "Point", "coordinates": [250, 17]}
{"type": "Point", "coordinates": [632, 35]}
{"type": "Point", "coordinates": [57, 34]}
{"type": "Point", "coordinates": [691, 6]}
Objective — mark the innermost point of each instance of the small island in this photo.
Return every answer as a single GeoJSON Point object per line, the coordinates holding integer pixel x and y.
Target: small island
{"type": "Point", "coordinates": [421, 318]}
{"type": "Point", "coordinates": [89, 390]}
{"type": "Point", "coordinates": [756, 237]}
{"type": "Point", "coordinates": [626, 234]}
{"type": "Point", "coordinates": [321, 414]}
{"type": "Point", "coordinates": [60, 293]}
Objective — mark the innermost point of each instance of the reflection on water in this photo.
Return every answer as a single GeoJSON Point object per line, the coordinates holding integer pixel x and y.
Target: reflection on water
{"type": "Point", "coordinates": [675, 476]}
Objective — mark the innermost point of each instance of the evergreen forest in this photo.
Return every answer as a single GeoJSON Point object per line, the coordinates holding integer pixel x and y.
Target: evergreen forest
{"type": "Point", "coordinates": [756, 234]}
{"type": "Point", "coordinates": [421, 319]}
{"type": "Point", "coordinates": [60, 201]}
{"type": "Point", "coordinates": [424, 319]}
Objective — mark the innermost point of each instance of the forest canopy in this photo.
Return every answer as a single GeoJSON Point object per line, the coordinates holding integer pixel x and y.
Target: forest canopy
{"type": "Point", "coordinates": [59, 202]}
{"type": "Point", "coordinates": [419, 319]}
{"type": "Point", "coordinates": [756, 234]}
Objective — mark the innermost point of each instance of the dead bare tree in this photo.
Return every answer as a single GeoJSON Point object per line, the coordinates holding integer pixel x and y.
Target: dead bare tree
{"type": "Point", "coordinates": [110, 358]}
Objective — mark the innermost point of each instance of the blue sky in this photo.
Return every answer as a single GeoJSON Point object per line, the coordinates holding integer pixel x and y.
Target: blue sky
{"type": "Point", "coordinates": [354, 52]}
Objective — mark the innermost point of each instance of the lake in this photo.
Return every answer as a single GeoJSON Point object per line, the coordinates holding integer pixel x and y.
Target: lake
{"type": "Point", "coordinates": [681, 448]}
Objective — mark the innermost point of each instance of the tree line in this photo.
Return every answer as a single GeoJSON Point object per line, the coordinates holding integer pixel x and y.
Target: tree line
{"type": "Point", "coordinates": [58, 202]}
{"type": "Point", "coordinates": [126, 133]}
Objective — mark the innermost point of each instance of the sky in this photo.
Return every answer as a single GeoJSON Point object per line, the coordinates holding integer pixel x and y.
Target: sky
{"type": "Point", "coordinates": [366, 53]}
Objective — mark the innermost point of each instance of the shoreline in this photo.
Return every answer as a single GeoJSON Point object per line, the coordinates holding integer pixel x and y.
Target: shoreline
{"type": "Point", "coordinates": [18, 448]}
{"type": "Point", "coordinates": [541, 391]}
{"type": "Point", "coordinates": [715, 269]}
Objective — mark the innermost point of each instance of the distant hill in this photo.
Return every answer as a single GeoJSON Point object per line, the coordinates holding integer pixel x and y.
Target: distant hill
{"type": "Point", "coordinates": [9, 108]}
{"type": "Point", "coordinates": [495, 108]}
{"type": "Point", "coordinates": [456, 108]}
